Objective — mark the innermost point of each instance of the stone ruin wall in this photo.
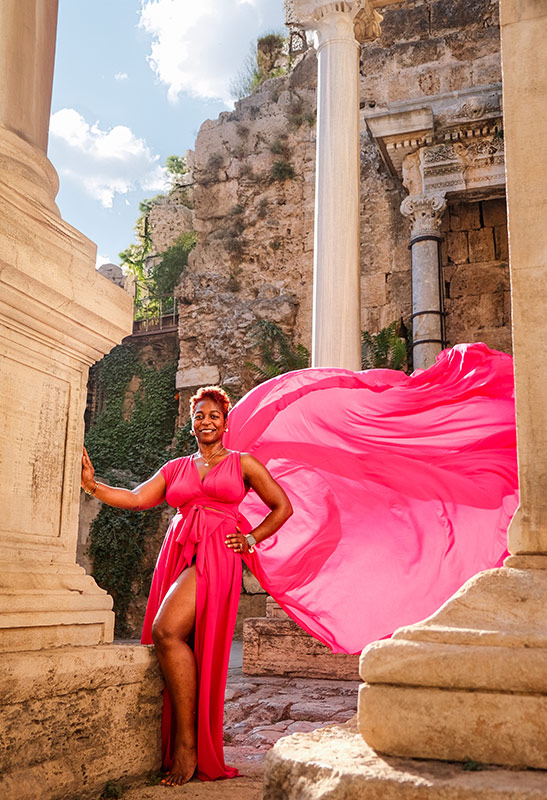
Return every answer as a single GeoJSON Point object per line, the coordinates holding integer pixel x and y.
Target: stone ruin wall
{"type": "Point", "coordinates": [254, 257]}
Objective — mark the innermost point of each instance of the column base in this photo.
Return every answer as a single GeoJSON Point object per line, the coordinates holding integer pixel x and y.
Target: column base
{"type": "Point", "coordinates": [51, 605]}
{"type": "Point", "coordinates": [75, 718]}
{"type": "Point", "coordinates": [469, 682]}
{"type": "Point", "coordinates": [336, 764]}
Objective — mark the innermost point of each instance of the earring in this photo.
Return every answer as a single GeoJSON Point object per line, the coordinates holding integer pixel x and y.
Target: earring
{"type": "Point", "coordinates": [225, 430]}
{"type": "Point", "coordinates": [192, 431]}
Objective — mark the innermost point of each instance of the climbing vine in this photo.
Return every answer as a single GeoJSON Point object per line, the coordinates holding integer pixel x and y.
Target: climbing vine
{"type": "Point", "coordinates": [127, 441]}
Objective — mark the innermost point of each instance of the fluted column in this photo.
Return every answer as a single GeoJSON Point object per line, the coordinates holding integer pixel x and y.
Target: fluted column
{"type": "Point", "coordinates": [338, 29]}
{"type": "Point", "coordinates": [425, 213]}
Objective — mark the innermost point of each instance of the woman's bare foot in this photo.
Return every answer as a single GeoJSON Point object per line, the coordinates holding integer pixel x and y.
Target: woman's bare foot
{"type": "Point", "coordinates": [183, 766]}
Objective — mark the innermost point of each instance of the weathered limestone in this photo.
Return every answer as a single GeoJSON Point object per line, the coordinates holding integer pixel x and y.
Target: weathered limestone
{"type": "Point", "coordinates": [425, 212]}
{"type": "Point", "coordinates": [470, 680]}
{"type": "Point", "coordinates": [336, 764]}
{"type": "Point", "coordinates": [77, 717]}
{"type": "Point", "coordinates": [337, 29]}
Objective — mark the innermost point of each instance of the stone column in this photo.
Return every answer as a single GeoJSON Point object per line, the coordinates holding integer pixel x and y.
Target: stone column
{"type": "Point", "coordinates": [338, 29]}
{"type": "Point", "coordinates": [425, 212]}
{"type": "Point", "coordinates": [471, 680]}
{"type": "Point", "coordinates": [58, 317]}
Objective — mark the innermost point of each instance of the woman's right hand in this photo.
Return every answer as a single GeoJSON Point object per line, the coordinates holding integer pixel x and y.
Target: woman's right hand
{"type": "Point", "coordinates": [88, 472]}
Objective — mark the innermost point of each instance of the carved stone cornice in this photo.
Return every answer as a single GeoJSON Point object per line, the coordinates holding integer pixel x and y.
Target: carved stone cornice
{"type": "Point", "coordinates": [354, 19]}
{"type": "Point", "coordinates": [425, 212]}
{"type": "Point", "coordinates": [453, 140]}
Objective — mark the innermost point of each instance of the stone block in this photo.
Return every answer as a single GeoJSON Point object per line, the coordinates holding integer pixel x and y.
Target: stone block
{"type": "Point", "coordinates": [464, 216]}
{"type": "Point", "coordinates": [197, 376]}
{"type": "Point", "coordinates": [501, 243]}
{"type": "Point", "coordinates": [427, 717]}
{"type": "Point", "coordinates": [457, 250]}
{"type": "Point", "coordinates": [76, 717]}
{"type": "Point", "coordinates": [481, 245]}
{"type": "Point", "coordinates": [335, 763]}
{"type": "Point", "coordinates": [494, 212]}
{"type": "Point", "coordinates": [403, 19]}
{"type": "Point", "coordinates": [280, 647]}
{"type": "Point", "coordinates": [458, 14]}
{"type": "Point", "coordinates": [250, 605]}
{"type": "Point", "coordinates": [479, 279]}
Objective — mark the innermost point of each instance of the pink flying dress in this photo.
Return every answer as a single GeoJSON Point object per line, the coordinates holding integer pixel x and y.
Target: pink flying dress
{"type": "Point", "coordinates": [402, 487]}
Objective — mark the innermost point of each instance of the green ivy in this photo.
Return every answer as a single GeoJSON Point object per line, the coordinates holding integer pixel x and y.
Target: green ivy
{"type": "Point", "coordinates": [166, 274]}
{"type": "Point", "coordinates": [136, 440]}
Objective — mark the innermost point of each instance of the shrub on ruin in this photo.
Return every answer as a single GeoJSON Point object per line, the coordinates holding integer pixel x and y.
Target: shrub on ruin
{"type": "Point", "coordinates": [282, 170]}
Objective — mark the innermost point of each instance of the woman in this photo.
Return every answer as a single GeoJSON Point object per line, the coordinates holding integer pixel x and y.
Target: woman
{"type": "Point", "coordinates": [197, 580]}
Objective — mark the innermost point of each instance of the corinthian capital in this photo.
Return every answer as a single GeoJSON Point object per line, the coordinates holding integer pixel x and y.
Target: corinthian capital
{"type": "Point", "coordinates": [425, 212]}
{"type": "Point", "coordinates": [355, 19]}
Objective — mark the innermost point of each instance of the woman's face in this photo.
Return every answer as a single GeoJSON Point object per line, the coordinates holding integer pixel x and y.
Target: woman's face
{"type": "Point", "coordinates": [208, 421]}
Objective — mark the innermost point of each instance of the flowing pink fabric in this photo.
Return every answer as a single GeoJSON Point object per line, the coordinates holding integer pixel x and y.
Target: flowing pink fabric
{"type": "Point", "coordinates": [206, 511]}
{"type": "Point", "coordinates": [402, 487]}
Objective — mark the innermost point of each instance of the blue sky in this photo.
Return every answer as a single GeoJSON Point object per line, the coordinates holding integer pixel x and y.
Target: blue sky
{"type": "Point", "coordinates": [134, 80]}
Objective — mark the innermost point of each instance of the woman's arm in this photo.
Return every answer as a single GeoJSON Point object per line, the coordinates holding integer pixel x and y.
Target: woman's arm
{"type": "Point", "coordinates": [145, 495]}
{"type": "Point", "coordinates": [270, 492]}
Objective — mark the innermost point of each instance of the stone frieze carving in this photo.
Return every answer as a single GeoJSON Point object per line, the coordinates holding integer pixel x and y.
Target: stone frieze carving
{"type": "Point", "coordinates": [425, 212]}
{"type": "Point", "coordinates": [439, 153]}
{"type": "Point", "coordinates": [367, 24]}
{"type": "Point", "coordinates": [471, 109]}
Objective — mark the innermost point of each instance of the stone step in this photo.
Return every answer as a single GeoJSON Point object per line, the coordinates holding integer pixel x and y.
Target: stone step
{"type": "Point", "coordinates": [336, 763]}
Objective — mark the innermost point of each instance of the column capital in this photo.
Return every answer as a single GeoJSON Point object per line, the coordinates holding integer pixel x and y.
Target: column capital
{"type": "Point", "coordinates": [346, 19]}
{"type": "Point", "coordinates": [425, 212]}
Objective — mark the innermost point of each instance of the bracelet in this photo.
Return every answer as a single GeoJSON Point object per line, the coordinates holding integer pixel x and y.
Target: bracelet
{"type": "Point", "coordinates": [251, 541]}
{"type": "Point", "coordinates": [91, 492]}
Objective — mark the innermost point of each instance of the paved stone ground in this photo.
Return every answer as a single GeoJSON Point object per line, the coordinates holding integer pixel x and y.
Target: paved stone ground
{"type": "Point", "coordinates": [258, 712]}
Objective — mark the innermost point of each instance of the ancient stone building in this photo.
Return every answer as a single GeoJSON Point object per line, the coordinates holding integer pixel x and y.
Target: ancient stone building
{"type": "Point", "coordinates": [430, 125]}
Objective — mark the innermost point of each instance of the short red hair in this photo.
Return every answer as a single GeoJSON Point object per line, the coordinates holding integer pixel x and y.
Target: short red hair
{"type": "Point", "coordinates": [214, 393]}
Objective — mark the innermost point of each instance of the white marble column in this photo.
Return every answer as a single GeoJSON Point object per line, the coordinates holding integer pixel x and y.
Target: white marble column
{"type": "Point", "coordinates": [425, 212]}
{"type": "Point", "coordinates": [338, 29]}
{"type": "Point", "coordinates": [58, 316]}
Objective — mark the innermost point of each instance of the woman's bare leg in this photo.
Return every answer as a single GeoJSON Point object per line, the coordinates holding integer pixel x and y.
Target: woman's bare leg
{"type": "Point", "coordinates": [172, 626]}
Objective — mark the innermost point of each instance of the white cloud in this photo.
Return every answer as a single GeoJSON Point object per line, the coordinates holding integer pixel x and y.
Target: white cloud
{"type": "Point", "coordinates": [198, 47]}
{"type": "Point", "coordinates": [105, 162]}
{"type": "Point", "coordinates": [121, 76]}
{"type": "Point", "coordinates": [101, 260]}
